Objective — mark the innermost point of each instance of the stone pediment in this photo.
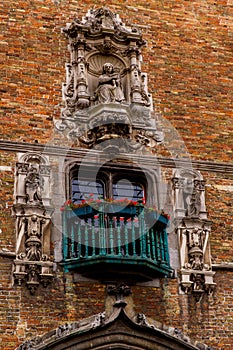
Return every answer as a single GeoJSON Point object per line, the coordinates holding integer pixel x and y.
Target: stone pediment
{"type": "Point", "coordinates": [118, 331]}
{"type": "Point", "coordinates": [98, 23]}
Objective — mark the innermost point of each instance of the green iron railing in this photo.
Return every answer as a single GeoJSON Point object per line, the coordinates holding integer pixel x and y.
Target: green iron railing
{"type": "Point", "coordinates": [111, 232]}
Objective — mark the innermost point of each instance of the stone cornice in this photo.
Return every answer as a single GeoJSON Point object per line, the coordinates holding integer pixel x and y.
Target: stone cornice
{"type": "Point", "coordinates": [58, 151]}
{"type": "Point", "coordinates": [7, 254]}
{"type": "Point", "coordinates": [223, 266]}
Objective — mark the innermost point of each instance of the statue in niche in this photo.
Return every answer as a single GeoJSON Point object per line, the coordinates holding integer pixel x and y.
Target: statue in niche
{"type": "Point", "coordinates": [192, 199]}
{"type": "Point", "coordinates": [34, 185]}
{"type": "Point", "coordinates": [194, 204]}
{"type": "Point", "coordinates": [109, 88]}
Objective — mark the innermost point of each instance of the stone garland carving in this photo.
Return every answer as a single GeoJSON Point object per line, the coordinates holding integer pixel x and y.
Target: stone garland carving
{"type": "Point", "coordinates": [105, 70]}
{"type": "Point", "coordinates": [193, 229]}
{"type": "Point", "coordinates": [32, 264]}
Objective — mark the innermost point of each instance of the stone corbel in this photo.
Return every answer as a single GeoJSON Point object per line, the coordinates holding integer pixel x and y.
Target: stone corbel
{"type": "Point", "coordinates": [197, 282]}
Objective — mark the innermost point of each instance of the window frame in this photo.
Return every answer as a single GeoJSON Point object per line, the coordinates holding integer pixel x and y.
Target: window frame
{"type": "Point", "coordinates": [148, 178]}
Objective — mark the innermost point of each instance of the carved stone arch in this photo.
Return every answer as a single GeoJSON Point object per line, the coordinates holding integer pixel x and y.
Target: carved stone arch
{"type": "Point", "coordinates": [118, 332]}
{"type": "Point", "coordinates": [33, 157]}
{"type": "Point", "coordinates": [182, 172]}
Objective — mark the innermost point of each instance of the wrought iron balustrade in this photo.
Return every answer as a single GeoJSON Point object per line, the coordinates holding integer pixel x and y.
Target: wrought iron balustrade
{"type": "Point", "coordinates": [117, 240]}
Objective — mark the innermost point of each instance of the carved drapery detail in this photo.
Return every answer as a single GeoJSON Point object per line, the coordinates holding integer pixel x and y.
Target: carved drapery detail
{"type": "Point", "coordinates": [32, 210]}
{"type": "Point", "coordinates": [105, 70]}
{"type": "Point", "coordinates": [193, 230]}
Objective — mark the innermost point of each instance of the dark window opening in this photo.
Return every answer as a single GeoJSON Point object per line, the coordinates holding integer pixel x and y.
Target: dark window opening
{"type": "Point", "coordinates": [83, 189]}
{"type": "Point", "coordinates": [109, 184]}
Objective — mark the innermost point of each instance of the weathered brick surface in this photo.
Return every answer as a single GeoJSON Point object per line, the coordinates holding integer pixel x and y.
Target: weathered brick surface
{"type": "Point", "coordinates": [189, 62]}
{"type": "Point", "coordinates": [219, 199]}
{"type": "Point", "coordinates": [188, 58]}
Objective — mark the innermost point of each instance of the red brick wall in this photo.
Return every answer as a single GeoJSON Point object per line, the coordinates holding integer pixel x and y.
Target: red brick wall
{"type": "Point", "coordinates": [189, 63]}
{"type": "Point", "coordinates": [188, 58]}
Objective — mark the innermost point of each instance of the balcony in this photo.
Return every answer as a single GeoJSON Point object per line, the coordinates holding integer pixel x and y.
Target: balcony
{"type": "Point", "coordinates": [115, 242]}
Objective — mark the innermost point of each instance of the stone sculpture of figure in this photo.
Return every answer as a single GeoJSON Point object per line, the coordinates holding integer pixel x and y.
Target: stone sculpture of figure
{"type": "Point", "coordinates": [191, 199]}
{"type": "Point", "coordinates": [194, 204]}
{"type": "Point", "coordinates": [33, 185]}
{"type": "Point", "coordinates": [109, 88]}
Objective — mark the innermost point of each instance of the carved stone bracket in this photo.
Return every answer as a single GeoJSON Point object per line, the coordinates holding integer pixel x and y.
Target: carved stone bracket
{"type": "Point", "coordinates": [32, 211]}
{"type": "Point", "coordinates": [109, 122]}
{"type": "Point", "coordinates": [120, 291]}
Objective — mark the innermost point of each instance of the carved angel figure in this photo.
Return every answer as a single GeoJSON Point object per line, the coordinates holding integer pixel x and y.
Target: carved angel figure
{"type": "Point", "coordinates": [109, 88]}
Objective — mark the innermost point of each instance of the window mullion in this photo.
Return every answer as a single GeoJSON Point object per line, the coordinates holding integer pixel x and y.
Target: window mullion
{"type": "Point", "coordinates": [110, 183]}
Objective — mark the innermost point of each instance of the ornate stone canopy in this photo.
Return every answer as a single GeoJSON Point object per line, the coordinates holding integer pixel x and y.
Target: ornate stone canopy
{"type": "Point", "coordinates": [105, 94]}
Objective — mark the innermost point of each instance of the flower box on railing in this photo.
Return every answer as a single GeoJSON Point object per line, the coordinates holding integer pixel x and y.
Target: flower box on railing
{"type": "Point", "coordinates": [118, 208]}
{"type": "Point", "coordinates": [87, 211]}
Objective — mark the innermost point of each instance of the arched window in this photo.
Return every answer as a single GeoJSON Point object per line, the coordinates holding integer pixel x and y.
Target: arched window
{"type": "Point", "coordinates": [109, 183]}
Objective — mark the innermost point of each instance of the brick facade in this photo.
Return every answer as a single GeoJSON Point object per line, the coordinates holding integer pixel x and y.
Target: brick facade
{"type": "Point", "coordinates": [188, 59]}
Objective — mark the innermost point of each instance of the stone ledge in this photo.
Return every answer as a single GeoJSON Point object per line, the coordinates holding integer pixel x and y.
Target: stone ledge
{"type": "Point", "coordinates": [214, 167]}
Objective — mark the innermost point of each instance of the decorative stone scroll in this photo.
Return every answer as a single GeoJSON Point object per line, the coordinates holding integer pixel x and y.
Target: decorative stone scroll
{"type": "Point", "coordinates": [32, 209]}
{"type": "Point", "coordinates": [193, 230]}
{"type": "Point", "coordinates": [105, 71]}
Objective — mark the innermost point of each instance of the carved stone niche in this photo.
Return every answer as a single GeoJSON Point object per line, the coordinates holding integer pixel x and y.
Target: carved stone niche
{"type": "Point", "coordinates": [105, 70]}
{"type": "Point", "coordinates": [196, 275]}
{"type": "Point", "coordinates": [189, 194]}
{"type": "Point", "coordinates": [32, 210]}
{"type": "Point", "coordinates": [193, 231]}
